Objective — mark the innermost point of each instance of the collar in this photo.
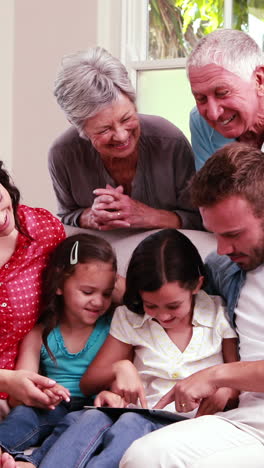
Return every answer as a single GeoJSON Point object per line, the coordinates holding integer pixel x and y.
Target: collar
{"type": "Point", "coordinates": [204, 310]}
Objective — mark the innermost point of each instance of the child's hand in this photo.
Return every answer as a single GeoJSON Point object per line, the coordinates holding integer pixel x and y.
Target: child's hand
{"type": "Point", "coordinates": [106, 398]}
{"type": "Point", "coordinates": [56, 394]}
{"type": "Point", "coordinates": [127, 383]}
{"type": "Point", "coordinates": [222, 398]}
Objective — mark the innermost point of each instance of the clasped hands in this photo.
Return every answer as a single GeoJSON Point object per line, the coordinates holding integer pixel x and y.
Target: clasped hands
{"type": "Point", "coordinates": [113, 209]}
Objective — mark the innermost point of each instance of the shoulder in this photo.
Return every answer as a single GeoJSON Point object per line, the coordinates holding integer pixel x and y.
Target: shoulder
{"type": "Point", "coordinates": [124, 316]}
{"type": "Point", "coordinates": [155, 126]}
{"type": "Point", "coordinates": [40, 224]}
{"type": "Point", "coordinates": [221, 273]}
{"type": "Point", "coordinates": [207, 307]}
{"type": "Point", "coordinates": [198, 122]}
{"type": "Point", "coordinates": [66, 144]}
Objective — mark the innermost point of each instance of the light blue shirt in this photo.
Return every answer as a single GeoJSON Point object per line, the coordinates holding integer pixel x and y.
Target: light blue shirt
{"type": "Point", "coordinates": [70, 367]}
{"type": "Point", "coordinates": [226, 279]}
{"type": "Point", "coordinates": [205, 140]}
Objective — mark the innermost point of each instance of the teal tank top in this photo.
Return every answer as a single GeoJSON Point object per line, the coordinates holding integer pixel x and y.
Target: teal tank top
{"type": "Point", "coordinates": [70, 367]}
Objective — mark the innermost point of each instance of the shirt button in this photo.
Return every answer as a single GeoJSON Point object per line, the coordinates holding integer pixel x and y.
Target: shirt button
{"type": "Point", "coordinates": [4, 304]}
{"type": "Point", "coordinates": [6, 265]}
{"type": "Point", "coordinates": [175, 375]}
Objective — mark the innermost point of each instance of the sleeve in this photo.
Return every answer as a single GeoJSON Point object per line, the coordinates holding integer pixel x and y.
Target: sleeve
{"type": "Point", "coordinates": [222, 324]}
{"type": "Point", "coordinates": [184, 170]}
{"type": "Point", "coordinates": [68, 211]}
{"type": "Point", "coordinates": [200, 139]}
{"type": "Point", "coordinates": [121, 327]}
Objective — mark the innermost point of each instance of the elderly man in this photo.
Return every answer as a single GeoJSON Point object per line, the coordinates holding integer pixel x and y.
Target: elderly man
{"type": "Point", "coordinates": [229, 191]}
{"type": "Point", "coordinates": [226, 73]}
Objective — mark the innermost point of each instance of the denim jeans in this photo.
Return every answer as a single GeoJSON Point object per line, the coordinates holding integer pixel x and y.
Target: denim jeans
{"type": "Point", "coordinates": [98, 440]}
{"type": "Point", "coordinates": [25, 427]}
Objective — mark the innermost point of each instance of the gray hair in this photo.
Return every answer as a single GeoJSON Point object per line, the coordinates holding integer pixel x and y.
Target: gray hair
{"type": "Point", "coordinates": [234, 50]}
{"type": "Point", "coordinates": [89, 81]}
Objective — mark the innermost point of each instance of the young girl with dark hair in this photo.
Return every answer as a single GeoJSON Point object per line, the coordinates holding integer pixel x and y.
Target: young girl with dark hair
{"type": "Point", "coordinates": [27, 237]}
{"type": "Point", "coordinates": [78, 285]}
{"type": "Point", "coordinates": [170, 328]}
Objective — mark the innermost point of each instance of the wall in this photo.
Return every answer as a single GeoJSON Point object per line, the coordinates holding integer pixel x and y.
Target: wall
{"type": "Point", "coordinates": [34, 35]}
{"type": "Point", "coordinates": [44, 31]}
{"type": "Point", "coordinates": [6, 88]}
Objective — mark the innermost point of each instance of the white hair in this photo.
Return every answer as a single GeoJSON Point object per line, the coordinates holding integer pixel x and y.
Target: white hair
{"type": "Point", "coordinates": [231, 49]}
{"type": "Point", "coordinates": [87, 82]}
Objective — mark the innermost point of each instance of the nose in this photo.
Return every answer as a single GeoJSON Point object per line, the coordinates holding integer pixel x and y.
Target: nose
{"type": "Point", "coordinates": [97, 300]}
{"type": "Point", "coordinates": [120, 134]}
{"type": "Point", "coordinates": [164, 316]}
{"type": "Point", "coordinates": [213, 109]}
{"type": "Point", "coordinates": [224, 246]}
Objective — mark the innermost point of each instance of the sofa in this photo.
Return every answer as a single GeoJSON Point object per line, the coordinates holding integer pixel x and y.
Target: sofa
{"type": "Point", "coordinates": [124, 241]}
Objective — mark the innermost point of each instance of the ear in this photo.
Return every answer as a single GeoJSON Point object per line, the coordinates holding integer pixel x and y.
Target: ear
{"type": "Point", "coordinates": [199, 285]}
{"type": "Point", "coordinates": [259, 77]}
{"type": "Point", "coordinates": [59, 292]}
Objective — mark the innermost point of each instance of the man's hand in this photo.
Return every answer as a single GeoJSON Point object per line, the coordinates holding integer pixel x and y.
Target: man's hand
{"type": "Point", "coordinates": [188, 393]}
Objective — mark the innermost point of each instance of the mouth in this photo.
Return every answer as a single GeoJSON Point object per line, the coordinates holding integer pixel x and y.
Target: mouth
{"type": "Point", "coordinates": [166, 322]}
{"type": "Point", "coordinates": [237, 258]}
{"type": "Point", "coordinates": [227, 121]}
{"type": "Point", "coordinates": [3, 220]}
{"type": "Point", "coordinates": [121, 146]}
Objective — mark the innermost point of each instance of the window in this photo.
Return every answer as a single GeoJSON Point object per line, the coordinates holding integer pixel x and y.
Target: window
{"type": "Point", "coordinates": [158, 35]}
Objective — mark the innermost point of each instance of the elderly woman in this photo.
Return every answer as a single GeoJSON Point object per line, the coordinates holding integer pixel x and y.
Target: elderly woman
{"type": "Point", "coordinates": [226, 73]}
{"type": "Point", "coordinates": [115, 168]}
{"type": "Point", "coordinates": [27, 237]}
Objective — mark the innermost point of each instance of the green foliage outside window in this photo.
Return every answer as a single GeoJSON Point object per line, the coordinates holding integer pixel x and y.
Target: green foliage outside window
{"type": "Point", "coordinates": [175, 26]}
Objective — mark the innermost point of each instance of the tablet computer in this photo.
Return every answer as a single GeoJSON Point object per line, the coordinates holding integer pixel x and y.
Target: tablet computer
{"type": "Point", "coordinates": [158, 413]}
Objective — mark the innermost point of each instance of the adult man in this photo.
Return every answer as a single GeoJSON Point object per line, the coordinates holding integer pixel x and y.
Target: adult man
{"type": "Point", "coordinates": [226, 73]}
{"type": "Point", "coordinates": [229, 191]}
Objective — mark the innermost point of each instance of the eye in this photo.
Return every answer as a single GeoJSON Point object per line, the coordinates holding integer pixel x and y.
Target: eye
{"type": "Point", "coordinates": [221, 93]}
{"type": "Point", "coordinates": [102, 132]}
{"type": "Point", "coordinates": [148, 306]}
{"type": "Point", "coordinates": [200, 98]}
{"type": "Point", "coordinates": [87, 293]}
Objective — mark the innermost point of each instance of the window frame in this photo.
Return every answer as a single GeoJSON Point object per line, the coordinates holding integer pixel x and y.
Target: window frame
{"type": "Point", "coordinates": [134, 38]}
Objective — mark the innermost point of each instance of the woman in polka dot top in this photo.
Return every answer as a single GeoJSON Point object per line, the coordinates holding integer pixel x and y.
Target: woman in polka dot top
{"type": "Point", "coordinates": [27, 237]}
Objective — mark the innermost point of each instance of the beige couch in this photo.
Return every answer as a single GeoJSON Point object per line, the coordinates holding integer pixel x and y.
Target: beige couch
{"type": "Point", "coordinates": [124, 242]}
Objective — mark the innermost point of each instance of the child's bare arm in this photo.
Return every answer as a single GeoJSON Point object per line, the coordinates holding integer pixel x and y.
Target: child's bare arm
{"type": "Point", "coordinates": [127, 383]}
{"type": "Point", "coordinates": [230, 350]}
{"type": "Point", "coordinates": [100, 374]}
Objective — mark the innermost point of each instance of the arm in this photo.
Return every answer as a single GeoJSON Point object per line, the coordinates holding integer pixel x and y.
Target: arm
{"type": "Point", "coordinates": [68, 210]}
{"type": "Point", "coordinates": [25, 386]}
{"type": "Point", "coordinates": [224, 397]}
{"type": "Point", "coordinates": [29, 359]}
{"type": "Point", "coordinates": [113, 209]}
{"type": "Point", "coordinates": [244, 376]}
{"type": "Point", "coordinates": [100, 374]}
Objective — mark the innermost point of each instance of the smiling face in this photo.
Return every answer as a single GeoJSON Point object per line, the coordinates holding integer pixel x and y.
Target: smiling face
{"type": "Point", "coordinates": [87, 293]}
{"type": "Point", "coordinates": [239, 234]}
{"type": "Point", "coordinates": [7, 220]}
{"type": "Point", "coordinates": [115, 130]}
{"type": "Point", "coordinates": [171, 305]}
{"type": "Point", "coordinates": [229, 104]}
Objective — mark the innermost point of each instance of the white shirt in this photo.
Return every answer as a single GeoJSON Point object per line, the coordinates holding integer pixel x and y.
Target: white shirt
{"type": "Point", "coordinates": [250, 326]}
{"type": "Point", "coordinates": [158, 360]}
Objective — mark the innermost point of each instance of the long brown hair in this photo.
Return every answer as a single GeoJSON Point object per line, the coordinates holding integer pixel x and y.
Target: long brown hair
{"type": "Point", "coordinates": [60, 268]}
